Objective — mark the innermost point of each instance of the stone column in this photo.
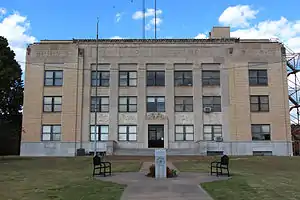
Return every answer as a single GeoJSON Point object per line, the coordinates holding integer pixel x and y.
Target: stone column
{"type": "Point", "coordinates": [113, 102]}
{"type": "Point", "coordinates": [197, 102]}
{"type": "Point", "coordinates": [169, 99]}
{"type": "Point", "coordinates": [142, 129]}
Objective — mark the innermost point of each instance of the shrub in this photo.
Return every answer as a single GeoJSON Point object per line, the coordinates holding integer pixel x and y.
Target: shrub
{"type": "Point", "coordinates": [170, 172]}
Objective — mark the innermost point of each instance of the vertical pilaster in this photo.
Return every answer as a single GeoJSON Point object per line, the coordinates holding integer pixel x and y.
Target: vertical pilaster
{"type": "Point", "coordinates": [141, 112]}
{"type": "Point", "coordinates": [169, 99]}
{"type": "Point", "coordinates": [197, 102]}
{"type": "Point", "coordinates": [113, 102]}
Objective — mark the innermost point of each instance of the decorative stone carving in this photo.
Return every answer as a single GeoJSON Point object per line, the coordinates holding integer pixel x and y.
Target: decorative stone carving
{"type": "Point", "coordinates": [102, 118]}
{"type": "Point", "coordinates": [183, 118]}
{"type": "Point", "coordinates": [52, 53]}
{"type": "Point", "coordinates": [127, 118]}
{"type": "Point", "coordinates": [156, 116]}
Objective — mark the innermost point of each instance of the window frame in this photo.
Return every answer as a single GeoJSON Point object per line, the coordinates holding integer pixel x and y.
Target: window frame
{"type": "Point", "coordinates": [212, 105]}
{"type": "Point", "coordinates": [210, 80]}
{"type": "Point", "coordinates": [155, 79]}
{"type": "Point", "coordinates": [261, 132]}
{"type": "Point", "coordinates": [183, 78]}
{"type": "Point", "coordinates": [259, 104]}
{"type": "Point", "coordinates": [128, 78]}
{"type": "Point", "coordinates": [127, 104]}
{"type": "Point", "coordinates": [257, 78]}
{"type": "Point", "coordinates": [127, 133]}
{"type": "Point", "coordinates": [52, 104]}
{"type": "Point", "coordinates": [51, 133]}
{"type": "Point", "coordinates": [54, 78]}
{"type": "Point", "coordinates": [99, 101]}
{"type": "Point", "coordinates": [156, 103]}
{"type": "Point", "coordinates": [184, 104]}
{"type": "Point", "coordinates": [184, 132]}
{"type": "Point", "coordinates": [101, 79]}
{"type": "Point", "coordinates": [98, 132]}
{"type": "Point", "coordinates": [213, 132]}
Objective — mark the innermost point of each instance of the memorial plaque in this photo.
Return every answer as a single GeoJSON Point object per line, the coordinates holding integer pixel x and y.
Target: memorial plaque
{"type": "Point", "coordinates": [160, 163]}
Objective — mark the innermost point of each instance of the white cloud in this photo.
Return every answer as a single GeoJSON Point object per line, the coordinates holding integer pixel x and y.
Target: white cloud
{"type": "Point", "coordinates": [2, 11]}
{"type": "Point", "coordinates": [116, 37]}
{"type": "Point", "coordinates": [148, 13]}
{"type": "Point", "coordinates": [158, 21]}
{"type": "Point", "coordinates": [237, 16]}
{"type": "Point", "coordinates": [201, 36]}
{"type": "Point", "coordinates": [118, 17]}
{"type": "Point", "coordinates": [15, 29]}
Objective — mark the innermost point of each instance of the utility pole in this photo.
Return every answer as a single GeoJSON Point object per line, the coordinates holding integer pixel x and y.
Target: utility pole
{"type": "Point", "coordinates": [96, 95]}
{"type": "Point", "coordinates": [155, 19]}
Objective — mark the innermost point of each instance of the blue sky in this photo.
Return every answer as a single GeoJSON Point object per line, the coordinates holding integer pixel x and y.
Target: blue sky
{"type": "Point", "coordinates": [27, 21]}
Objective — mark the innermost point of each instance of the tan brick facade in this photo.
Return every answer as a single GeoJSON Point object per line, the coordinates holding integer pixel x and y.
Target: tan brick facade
{"type": "Point", "coordinates": [232, 57]}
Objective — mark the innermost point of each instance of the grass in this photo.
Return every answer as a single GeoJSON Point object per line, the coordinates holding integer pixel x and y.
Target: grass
{"type": "Point", "coordinates": [255, 178]}
{"type": "Point", "coordinates": [57, 179]}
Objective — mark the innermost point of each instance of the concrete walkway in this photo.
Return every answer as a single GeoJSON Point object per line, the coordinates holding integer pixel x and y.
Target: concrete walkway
{"type": "Point", "coordinates": [185, 186]}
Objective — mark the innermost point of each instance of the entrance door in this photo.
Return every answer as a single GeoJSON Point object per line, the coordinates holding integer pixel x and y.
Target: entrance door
{"type": "Point", "coordinates": [155, 136]}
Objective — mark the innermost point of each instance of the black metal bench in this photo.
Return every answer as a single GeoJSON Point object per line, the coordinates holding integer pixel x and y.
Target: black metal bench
{"type": "Point", "coordinates": [103, 167]}
{"type": "Point", "coordinates": [220, 165]}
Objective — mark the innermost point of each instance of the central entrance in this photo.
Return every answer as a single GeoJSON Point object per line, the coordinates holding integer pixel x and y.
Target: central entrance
{"type": "Point", "coordinates": [155, 136]}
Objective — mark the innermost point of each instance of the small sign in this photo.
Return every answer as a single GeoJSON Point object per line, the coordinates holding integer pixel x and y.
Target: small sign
{"type": "Point", "coordinates": [160, 163]}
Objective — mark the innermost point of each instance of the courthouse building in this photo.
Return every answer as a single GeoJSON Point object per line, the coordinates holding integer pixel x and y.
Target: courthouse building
{"type": "Point", "coordinates": [219, 95]}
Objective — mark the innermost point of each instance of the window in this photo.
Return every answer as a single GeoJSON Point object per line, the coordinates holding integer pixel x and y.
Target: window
{"type": "Point", "coordinates": [155, 78]}
{"type": "Point", "coordinates": [127, 133]}
{"type": "Point", "coordinates": [99, 104]}
{"type": "Point", "coordinates": [51, 132]}
{"type": "Point", "coordinates": [259, 103]}
{"type": "Point", "coordinates": [127, 78]}
{"type": "Point", "coordinates": [214, 102]}
{"type": "Point", "coordinates": [260, 132]}
{"type": "Point", "coordinates": [183, 104]}
{"type": "Point", "coordinates": [100, 134]}
{"type": "Point", "coordinates": [258, 77]}
{"type": "Point", "coordinates": [210, 132]}
{"type": "Point", "coordinates": [53, 78]}
{"type": "Point", "coordinates": [183, 78]}
{"type": "Point", "coordinates": [155, 104]}
{"type": "Point", "coordinates": [52, 104]}
{"type": "Point", "coordinates": [103, 78]}
{"type": "Point", "coordinates": [127, 104]}
{"type": "Point", "coordinates": [210, 77]}
{"type": "Point", "coordinates": [184, 133]}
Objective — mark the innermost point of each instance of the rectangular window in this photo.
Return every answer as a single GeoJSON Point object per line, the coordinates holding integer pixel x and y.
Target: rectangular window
{"type": "Point", "coordinates": [258, 77]}
{"type": "Point", "coordinates": [260, 132]}
{"type": "Point", "coordinates": [155, 78]}
{"type": "Point", "coordinates": [259, 103]}
{"type": "Point", "coordinates": [183, 78]}
{"type": "Point", "coordinates": [210, 78]}
{"type": "Point", "coordinates": [211, 132]}
{"type": "Point", "coordinates": [127, 133]}
{"type": "Point", "coordinates": [53, 78]}
{"type": "Point", "coordinates": [214, 102]}
{"type": "Point", "coordinates": [100, 133]}
{"type": "Point", "coordinates": [127, 78]}
{"type": "Point", "coordinates": [184, 132]}
{"type": "Point", "coordinates": [100, 104]}
{"type": "Point", "coordinates": [183, 104]}
{"type": "Point", "coordinates": [51, 132]}
{"type": "Point", "coordinates": [100, 79]}
{"type": "Point", "coordinates": [52, 104]}
{"type": "Point", "coordinates": [127, 104]}
{"type": "Point", "coordinates": [155, 104]}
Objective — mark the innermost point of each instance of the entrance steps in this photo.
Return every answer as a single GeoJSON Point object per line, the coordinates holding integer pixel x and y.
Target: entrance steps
{"type": "Point", "coordinates": [150, 152]}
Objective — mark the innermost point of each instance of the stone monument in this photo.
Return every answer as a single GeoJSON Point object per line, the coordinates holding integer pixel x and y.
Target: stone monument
{"type": "Point", "coordinates": [160, 163]}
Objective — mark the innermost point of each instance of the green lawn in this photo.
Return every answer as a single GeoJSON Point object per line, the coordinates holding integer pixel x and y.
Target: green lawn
{"type": "Point", "coordinates": [255, 178]}
{"type": "Point", "coordinates": [57, 179]}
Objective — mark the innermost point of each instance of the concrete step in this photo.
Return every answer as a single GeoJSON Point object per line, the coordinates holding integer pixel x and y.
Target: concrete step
{"type": "Point", "coordinates": [150, 152]}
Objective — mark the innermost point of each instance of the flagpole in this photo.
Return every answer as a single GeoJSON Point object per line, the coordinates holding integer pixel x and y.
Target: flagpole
{"type": "Point", "coordinates": [155, 19]}
{"type": "Point", "coordinates": [96, 95]}
{"type": "Point", "coordinates": [144, 20]}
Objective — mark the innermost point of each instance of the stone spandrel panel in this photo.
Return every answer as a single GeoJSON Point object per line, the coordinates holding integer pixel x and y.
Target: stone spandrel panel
{"type": "Point", "coordinates": [184, 118]}
{"type": "Point", "coordinates": [128, 118]}
{"type": "Point", "coordinates": [102, 118]}
{"type": "Point", "coordinates": [212, 118]}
